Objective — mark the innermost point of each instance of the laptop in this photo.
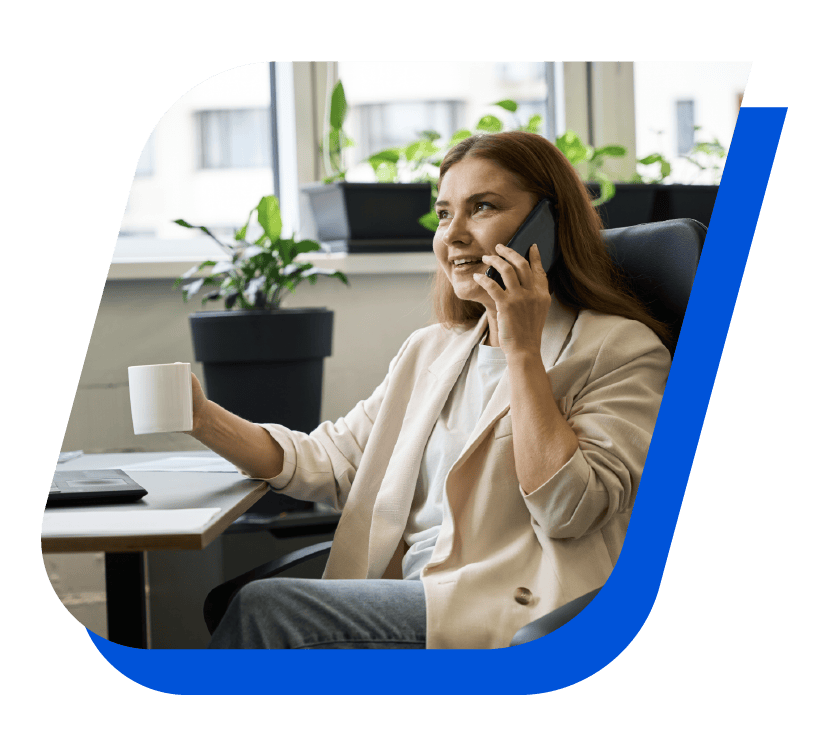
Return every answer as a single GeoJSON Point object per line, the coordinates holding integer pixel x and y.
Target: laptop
{"type": "Point", "coordinates": [93, 487]}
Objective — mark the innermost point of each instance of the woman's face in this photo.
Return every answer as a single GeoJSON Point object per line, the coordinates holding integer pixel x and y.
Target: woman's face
{"type": "Point", "coordinates": [479, 205]}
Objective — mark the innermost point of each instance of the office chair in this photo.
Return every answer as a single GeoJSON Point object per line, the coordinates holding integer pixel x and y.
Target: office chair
{"type": "Point", "coordinates": [659, 260]}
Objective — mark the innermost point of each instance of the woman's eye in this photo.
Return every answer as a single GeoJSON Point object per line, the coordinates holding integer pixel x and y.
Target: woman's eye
{"type": "Point", "coordinates": [483, 205]}
{"type": "Point", "coordinates": [442, 214]}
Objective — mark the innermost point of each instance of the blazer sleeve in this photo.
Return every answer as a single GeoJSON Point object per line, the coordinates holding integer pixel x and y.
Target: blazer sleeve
{"type": "Point", "coordinates": [321, 466]}
{"type": "Point", "coordinates": [613, 417]}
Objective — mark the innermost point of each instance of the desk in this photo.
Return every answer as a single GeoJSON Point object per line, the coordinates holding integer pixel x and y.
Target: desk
{"type": "Point", "coordinates": [231, 493]}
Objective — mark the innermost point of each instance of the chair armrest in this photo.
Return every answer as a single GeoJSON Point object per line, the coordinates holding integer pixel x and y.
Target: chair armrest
{"type": "Point", "coordinates": [218, 599]}
{"type": "Point", "coordinates": [548, 623]}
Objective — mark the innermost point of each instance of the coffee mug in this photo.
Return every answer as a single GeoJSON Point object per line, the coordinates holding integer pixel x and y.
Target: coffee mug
{"type": "Point", "coordinates": [161, 398]}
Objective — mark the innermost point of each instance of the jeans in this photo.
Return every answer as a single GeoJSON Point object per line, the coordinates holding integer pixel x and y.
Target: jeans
{"type": "Point", "coordinates": [283, 613]}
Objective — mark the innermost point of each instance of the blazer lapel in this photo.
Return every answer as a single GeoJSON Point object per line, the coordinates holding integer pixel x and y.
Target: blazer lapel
{"type": "Point", "coordinates": [555, 335]}
{"type": "Point", "coordinates": [429, 395]}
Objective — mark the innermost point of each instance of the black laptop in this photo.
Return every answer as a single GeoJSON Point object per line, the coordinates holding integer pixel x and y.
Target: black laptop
{"type": "Point", "coordinates": [93, 487]}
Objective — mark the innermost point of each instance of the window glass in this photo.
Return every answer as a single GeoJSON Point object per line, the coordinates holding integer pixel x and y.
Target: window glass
{"type": "Point", "coordinates": [685, 126]}
{"type": "Point", "coordinates": [207, 161]}
{"type": "Point", "coordinates": [390, 104]}
{"type": "Point", "coordinates": [673, 98]}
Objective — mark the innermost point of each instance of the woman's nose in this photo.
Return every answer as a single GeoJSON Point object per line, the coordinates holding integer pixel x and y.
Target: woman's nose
{"type": "Point", "coordinates": [458, 230]}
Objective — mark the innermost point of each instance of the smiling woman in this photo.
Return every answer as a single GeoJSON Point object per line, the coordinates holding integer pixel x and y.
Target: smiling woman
{"type": "Point", "coordinates": [490, 478]}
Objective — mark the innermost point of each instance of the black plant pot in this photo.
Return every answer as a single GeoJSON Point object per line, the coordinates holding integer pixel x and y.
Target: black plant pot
{"type": "Point", "coordinates": [637, 203]}
{"type": "Point", "coordinates": [266, 367]}
{"type": "Point", "coordinates": [632, 204]}
{"type": "Point", "coordinates": [695, 202]}
{"type": "Point", "coordinates": [371, 217]}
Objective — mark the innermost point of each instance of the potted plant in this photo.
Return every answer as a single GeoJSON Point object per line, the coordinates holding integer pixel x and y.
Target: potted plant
{"type": "Point", "coordinates": [619, 204]}
{"type": "Point", "coordinates": [260, 360]}
{"type": "Point", "coordinates": [363, 217]}
{"type": "Point", "coordinates": [395, 213]}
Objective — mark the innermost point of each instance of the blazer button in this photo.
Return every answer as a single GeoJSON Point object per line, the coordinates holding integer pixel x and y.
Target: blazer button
{"type": "Point", "coordinates": [522, 596]}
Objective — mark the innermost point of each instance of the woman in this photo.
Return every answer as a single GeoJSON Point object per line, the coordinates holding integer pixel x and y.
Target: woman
{"type": "Point", "coordinates": [490, 477]}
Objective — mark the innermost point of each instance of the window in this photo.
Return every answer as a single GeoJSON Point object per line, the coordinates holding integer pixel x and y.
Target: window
{"type": "Point", "coordinates": [391, 124]}
{"type": "Point", "coordinates": [390, 103]}
{"type": "Point", "coordinates": [234, 138]}
{"type": "Point", "coordinates": [672, 98]}
{"type": "Point", "coordinates": [184, 170]}
{"type": "Point", "coordinates": [685, 126]}
{"type": "Point", "coordinates": [145, 165]}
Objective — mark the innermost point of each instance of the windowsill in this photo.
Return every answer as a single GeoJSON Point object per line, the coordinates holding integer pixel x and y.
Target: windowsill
{"type": "Point", "coordinates": [150, 258]}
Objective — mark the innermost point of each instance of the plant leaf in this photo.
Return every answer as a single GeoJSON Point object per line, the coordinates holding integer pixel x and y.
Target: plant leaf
{"type": "Point", "coordinates": [304, 247]}
{"type": "Point", "coordinates": [430, 221]}
{"type": "Point", "coordinates": [387, 155]}
{"type": "Point", "coordinates": [610, 150]}
{"type": "Point", "coordinates": [607, 190]}
{"type": "Point", "coordinates": [241, 234]}
{"type": "Point", "coordinates": [386, 172]}
{"type": "Point", "coordinates": [571, 145]}
{"type": "Point", "coordinates": [459, 136]}
{"type": "Point", "coordinates": [268, 215]}
{"type": "Point", "coordinates": [507, 104]}
{"type": "Point", "coordinates": [489, 123]}
{"type": "Point", "coordinates": [222, 267]}
{"type": "Point", "coordinates": [337, 111]}
{"type": "Point", "coordinates": [204, 229]}
{"type": "Point", "coordinates": [534, 124]}
{"type": "Point", "coordinates": [420, 150]}
{"type": "Point", "coordinates": [192, 288]}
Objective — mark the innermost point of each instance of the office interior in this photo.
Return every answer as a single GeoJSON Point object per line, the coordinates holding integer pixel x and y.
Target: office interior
{"type": "Point", "coordinates": [211, 158]}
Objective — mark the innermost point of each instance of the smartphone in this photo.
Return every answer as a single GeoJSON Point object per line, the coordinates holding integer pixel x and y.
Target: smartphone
{"type": "Point", "coordinates": [540, 228]}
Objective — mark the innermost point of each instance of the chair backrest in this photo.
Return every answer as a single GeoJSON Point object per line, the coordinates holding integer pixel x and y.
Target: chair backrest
{"type": "Point", "coordinates": [659, 261]}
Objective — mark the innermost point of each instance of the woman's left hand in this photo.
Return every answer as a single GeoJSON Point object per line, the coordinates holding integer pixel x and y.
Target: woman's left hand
{"type": "Point", "coordinates": [521, 308]}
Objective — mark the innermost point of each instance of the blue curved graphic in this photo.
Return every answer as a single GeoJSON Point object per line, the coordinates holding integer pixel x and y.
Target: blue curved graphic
{"type": "Point", "coordinates": [602, 631]}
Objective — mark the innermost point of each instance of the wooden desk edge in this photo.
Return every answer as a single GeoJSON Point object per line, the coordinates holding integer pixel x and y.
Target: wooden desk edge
{"type": "Point", "coordinates": [148, 542]}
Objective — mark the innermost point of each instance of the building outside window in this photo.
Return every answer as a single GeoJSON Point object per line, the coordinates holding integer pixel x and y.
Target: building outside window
{"type": "Point", "coordinates": [234, 138]}
{"type": "Point", "coordinates": [391, 103]}
{"type": "Point", "coordinates": [208, 160]}
{"type": "Point", "coordinates": [672, 98]}
{"type": "Point", "coordinates": [685, 126]}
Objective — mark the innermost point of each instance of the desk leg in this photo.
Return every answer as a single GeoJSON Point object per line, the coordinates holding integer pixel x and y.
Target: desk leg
{"type": "Point", "coordinates": [126, 599]}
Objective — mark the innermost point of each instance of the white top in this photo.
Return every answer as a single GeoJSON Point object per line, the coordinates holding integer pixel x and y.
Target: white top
{"type": "Point", "coordinates": [464, 406]}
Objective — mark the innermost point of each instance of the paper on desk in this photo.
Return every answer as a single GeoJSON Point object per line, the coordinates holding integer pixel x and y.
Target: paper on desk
{"type": "Point", "coordinates": [96, 523]}
{"type": "Point", "coordinates": [181, 463]}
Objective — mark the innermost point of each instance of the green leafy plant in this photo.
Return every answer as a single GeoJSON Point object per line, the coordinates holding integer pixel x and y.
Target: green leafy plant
{"type": "Point", "coordinates": [653, 159]}
{"type": "Point", "coordinates": [335, 139]}
{"type": "Point", "coordinates": [708, 156]}
{"type": "Point", "coordinates": [590, 161]}
{"type": "Point", "coordinates": [419, 161]}
{"type": "Point", "coordinates": [256, 275]}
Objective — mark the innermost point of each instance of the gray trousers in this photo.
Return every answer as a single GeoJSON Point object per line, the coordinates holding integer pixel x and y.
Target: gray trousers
{"type": "Point", "coordinates": [283, 613]}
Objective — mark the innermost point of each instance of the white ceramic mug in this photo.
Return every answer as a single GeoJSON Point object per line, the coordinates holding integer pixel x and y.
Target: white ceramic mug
{"type": "Point", "coordinates": [161, 398]}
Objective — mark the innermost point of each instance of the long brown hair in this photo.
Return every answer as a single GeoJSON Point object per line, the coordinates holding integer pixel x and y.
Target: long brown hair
{"type": "Point", "coordinates": [584, 276]}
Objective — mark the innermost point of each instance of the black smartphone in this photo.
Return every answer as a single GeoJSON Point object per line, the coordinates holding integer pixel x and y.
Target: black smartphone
{"type": "Point", "coordinates": [540, 228]}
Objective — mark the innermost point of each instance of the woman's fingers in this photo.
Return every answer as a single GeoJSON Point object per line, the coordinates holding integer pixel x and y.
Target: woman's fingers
{"type": "Point", "coordinates": [521, 270]}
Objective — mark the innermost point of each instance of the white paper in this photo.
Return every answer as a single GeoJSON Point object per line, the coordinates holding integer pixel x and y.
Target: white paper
{"type": "Point", "coordinates": [181, 463]}
{"type": "Point", "coordinates": [97, 523]}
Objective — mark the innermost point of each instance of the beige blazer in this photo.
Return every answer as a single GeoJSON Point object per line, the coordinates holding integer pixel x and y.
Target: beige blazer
{"type": "Point", "coordinates": [503, 558]}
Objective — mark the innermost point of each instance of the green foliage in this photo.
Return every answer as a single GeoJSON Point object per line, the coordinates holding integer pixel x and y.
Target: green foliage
{"type": "Point", "coordinates": [419, 161]}
{"type": "Point", "coordinates": [708, 156]}
{"type": "Point", "coordinates": [256, 275]}
{"type": "Point", "coordinates": [335, 140]}
{"type": "Point", "coordinates": [590, 162]}
{"type": "Point", "coordinates": [654, 159]}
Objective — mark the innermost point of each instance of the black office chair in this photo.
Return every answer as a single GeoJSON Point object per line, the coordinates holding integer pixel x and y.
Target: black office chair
{"type": "Point", "coordinates": [660, 262]}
